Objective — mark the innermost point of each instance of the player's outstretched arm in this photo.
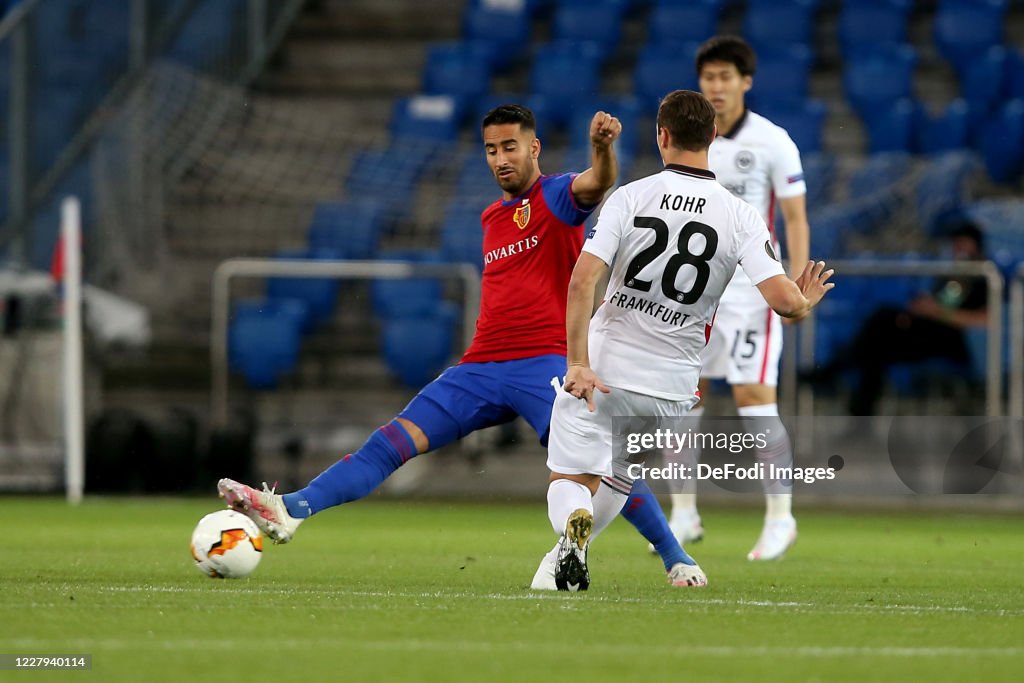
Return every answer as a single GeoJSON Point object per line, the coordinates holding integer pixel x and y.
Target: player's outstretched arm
{"type": "Point", "coordinates": [794, 299]}
{"type": "Point", "coordinates": [589, 187]}
{"type": "Point", "coordinates": [580, 380]}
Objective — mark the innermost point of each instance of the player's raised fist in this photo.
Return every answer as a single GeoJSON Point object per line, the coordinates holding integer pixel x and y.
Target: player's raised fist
{"type": "Point", "coordinates": [604, 128]}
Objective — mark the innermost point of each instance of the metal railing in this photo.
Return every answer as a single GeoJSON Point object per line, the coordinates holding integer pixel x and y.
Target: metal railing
{"type": "Point", "coordinates": [993, 349]}
{"type": "Point", "coordinates": [353, 270]}
{"type": "Point", "coordinates": [1016, 391]}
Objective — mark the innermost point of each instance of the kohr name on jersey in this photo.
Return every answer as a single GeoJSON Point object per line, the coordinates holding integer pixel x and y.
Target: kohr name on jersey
{"type": "Point", "coordinates": [511, 249]}
{"type": "Point", "coordinates": [676, 202]}
{"type": "Point", "coordinates": [648, 307]}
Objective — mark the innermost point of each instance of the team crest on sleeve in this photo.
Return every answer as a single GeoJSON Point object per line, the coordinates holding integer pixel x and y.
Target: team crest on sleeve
{"type": "Point", "coordinates": [522, 214]}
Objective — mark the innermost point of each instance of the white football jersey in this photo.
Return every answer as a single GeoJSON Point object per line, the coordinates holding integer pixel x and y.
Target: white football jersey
{"type": "Point", "coordinates": [758, 163]}
{"type": "Point", "coordinates": [673, 241]}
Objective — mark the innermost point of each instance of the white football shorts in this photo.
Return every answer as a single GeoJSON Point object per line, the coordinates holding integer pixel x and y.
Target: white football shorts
{"type": "Point", "coordinates": [581, 442]}
{"type": "Point", "coordinates": [745, 344]}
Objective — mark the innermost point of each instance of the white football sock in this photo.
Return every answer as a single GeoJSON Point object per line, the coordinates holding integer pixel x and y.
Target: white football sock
{"type": "Point", "coordinates": [778, 452]}
{"type": "Point", "coordinates": [565, 497]}
{"type": "Point", "coordinates": [607, 505]}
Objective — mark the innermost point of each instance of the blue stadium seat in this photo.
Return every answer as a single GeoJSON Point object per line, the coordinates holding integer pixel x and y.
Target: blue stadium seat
{"type": "Point", "coordinates": [459, 69]}
{"type": "Point", "coordinates": [431, 118]}
{"type": "Point", "coordinates": [588, 22]}
{"type": "Point", "coordinates": [263, 340]}
{"type": "Point", "coordinates": [350, 228]}
{"type": "Point", "coordinates": [505, 28]}
{"type": "Point", "coordinates": [1003, 142]}
{"type": "Point", "coordinates": [965, 29]}
{"type": "Point", "coordinates": [673, 21]}
{"type": "Point", "coordinates": [944, 131]}
{"type": "Point", "coordinates": [208, 32]}
{"type": "Point", "coordinates": [803, 120]}
{"type": "Point", "coordinates": [662, 68]}
{"type": "Point", "coordinates": [1015, 80]}
{"type": "Point", "coordinates": [319, 294]}
{"type": "Point", "coordinates": [563, 73]}
{"type": "Point", "coordinates": [872, 22]}
{"type": "Point", "coordinates": [416, 349]}
{"type": "Point", "coordinates": [619, 6]}
{"type": "Point", "coordinates": [819, 176]}
{"type": "Point", "coordinates": [783, 75]}
{"type": "Point", "coordinates": [891, 127]}
{"type": "Point", "coordinates": [778, 23]}
{"type": "Point", "coordinates": [462, 235]}
{"type": "Point", "coordinates": [984, 79]}
{"type": "Point", "coordinates": [475, 180]}
{"type": "Point", "coordinates": [874, 78]}
{"type": "Point", "coordinates": [407, 297]}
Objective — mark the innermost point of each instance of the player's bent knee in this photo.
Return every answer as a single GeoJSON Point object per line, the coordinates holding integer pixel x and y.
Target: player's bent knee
{"type": "Point", "coordinates": [747, 395]}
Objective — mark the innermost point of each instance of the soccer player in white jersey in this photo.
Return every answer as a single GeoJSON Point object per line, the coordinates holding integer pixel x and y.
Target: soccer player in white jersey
{"type": "Point", "coordinates": [672, 241]}
{"type": "Point", "coordinates": [758, 163]}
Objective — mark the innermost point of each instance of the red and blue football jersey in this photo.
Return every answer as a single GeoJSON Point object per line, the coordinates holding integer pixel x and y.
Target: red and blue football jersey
{"type": "Point", "coordinates": [531, 244]}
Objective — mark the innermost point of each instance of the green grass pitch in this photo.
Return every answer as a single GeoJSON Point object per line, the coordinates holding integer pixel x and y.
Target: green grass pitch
{"type": "Point", "coordinates": [382, 591]}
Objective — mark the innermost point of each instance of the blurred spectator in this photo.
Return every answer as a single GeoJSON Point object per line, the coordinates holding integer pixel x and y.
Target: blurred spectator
{"type": "Point", "coordinates": [930, 327]}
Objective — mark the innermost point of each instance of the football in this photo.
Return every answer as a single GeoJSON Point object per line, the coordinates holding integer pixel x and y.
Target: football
{"type": "Point", "coordinates": [226, 545]}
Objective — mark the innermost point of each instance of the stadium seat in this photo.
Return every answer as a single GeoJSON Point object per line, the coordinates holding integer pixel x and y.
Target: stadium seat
{"type": "Point", "coordinates": [803, 120]}
{"type": "Point", "coordinates": [319, 294]}
{"type": "Point", "coordinates": [779, 23]}
{"type": "Point", "coordinates": [1003, 142]}
{"type": "Point", "coordinates": [673, 21]}
{"type": "Point", "coordinates": [819, 175]}
{"type": "Point", "coordinates": [984, 79]}
{"type": "Point", "coordinates": [1015, 80]}
{"type": "Point", "coordinates": [504, 27]}
{"type": "Point", "coordinates": [263, 340]}
{"type": "Point", "coordinates": [462, 70]}
{"type": "Point", "coordinates": [891, 127]}
{"type": "Point", "coordinates": [429, 118]}
{"type": "Point", "coordinates": [966, 29]}
{"type": "Point", "coordinates": [662, 68]}
{"type": "Point", "coordinates": [350, 228]}
{"type": "Point", "coordinates": [872, 22]}
{"type": "Point", "coordinates": [462, 235]}
{"type": "Point", "coordinates": [876, 77]}
{"type": "Point", "coordinates": [563, 73]}
{"type": "Point", "coordinates": [598, 23]}
{"type": "Point", "coordinates": [416, 349]}
{"type": "Point", "coordinates": [208, 33]}
{"type": "Point", "coordinates": [783, 75]}
{"type": "Point", "coordinates": [945, 131]}
{"type": "Point", "coordinates": [407, 297]}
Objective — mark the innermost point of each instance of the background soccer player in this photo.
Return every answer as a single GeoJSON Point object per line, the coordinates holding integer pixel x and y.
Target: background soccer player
{"type": "Point", "coordinates": [758, 163]}
{"type": "Point", "coordinates": [516, 362]}
{"type": "Point", "coordinates": [670, 263]}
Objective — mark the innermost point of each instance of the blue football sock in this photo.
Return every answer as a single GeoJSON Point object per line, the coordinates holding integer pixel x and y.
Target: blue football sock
{"type": "Point", "coordinates": [355, 475]}
{"type": "Point", "coordinates": [644, 512]}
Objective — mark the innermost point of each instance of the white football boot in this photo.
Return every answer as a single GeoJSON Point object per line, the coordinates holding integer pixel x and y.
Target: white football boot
{"type": "Point", "coordinates": [544, 579]}
{"type": "Point", "coordinates": [776, 538]}
{"type": "Point", "coordinates": [265, 508]}
{"type": "Point", "coordinates": [683, 574]}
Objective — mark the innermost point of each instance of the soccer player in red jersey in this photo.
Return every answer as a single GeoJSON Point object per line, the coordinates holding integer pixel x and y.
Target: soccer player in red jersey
{"type": "Point", "coordinates": [516, 362]}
